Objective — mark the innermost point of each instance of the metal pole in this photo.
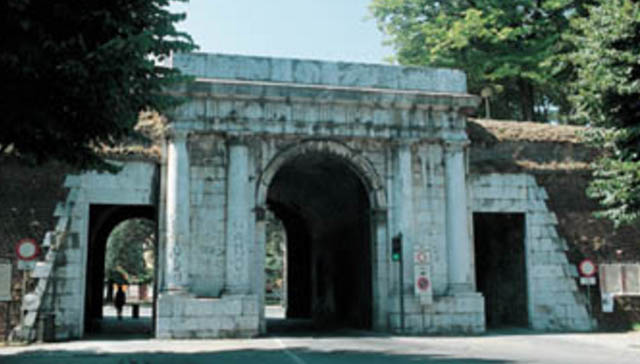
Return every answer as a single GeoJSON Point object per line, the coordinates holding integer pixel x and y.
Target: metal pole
{"type": "Point", "coordinates": [22, 293]}
{"type": "Point", "coordinates": [589, 306]}
{"type": "Point", "coordinates": [487, 108]}
{"type": "Point", "coordinates": [401, 293]}
{"type": "Point", "coordinates": [7, 319]}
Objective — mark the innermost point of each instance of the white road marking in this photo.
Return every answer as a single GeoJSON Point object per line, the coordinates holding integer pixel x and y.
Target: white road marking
{"type": "Point", "coordinates": [296, 359]}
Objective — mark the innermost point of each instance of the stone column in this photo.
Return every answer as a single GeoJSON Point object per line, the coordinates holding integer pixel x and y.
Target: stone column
{"type": "Point", "coordinates": [459, 247]}
{"type": "Point", "coordinates": [238, 215]}
{"type": "Point", "coordinates": [177, 219]}
{"type": "Point", "coordinates": [403, 207]}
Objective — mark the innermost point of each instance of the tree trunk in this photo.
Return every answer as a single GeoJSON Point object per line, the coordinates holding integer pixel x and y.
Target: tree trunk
{"type": "Point", "coordinates": [526, 100]}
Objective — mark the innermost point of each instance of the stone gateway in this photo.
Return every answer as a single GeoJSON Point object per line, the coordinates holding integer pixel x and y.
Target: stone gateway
{"type": "Point", "coordinates": [346, 156]}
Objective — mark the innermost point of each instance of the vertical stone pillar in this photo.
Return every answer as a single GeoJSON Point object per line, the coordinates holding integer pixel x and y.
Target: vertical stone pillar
{"type": "Point", "coordinates": [177, 219]}
{"type": "Point", "coordinates": [403, 203]}
{"type": "Point", "coordinates": [238, 215]}
{"type": "Point", "coordinates": [459, 247]}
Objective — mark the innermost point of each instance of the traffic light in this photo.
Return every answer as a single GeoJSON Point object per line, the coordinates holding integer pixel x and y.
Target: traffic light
{"type": "Point", "coordinates": [396, 248]}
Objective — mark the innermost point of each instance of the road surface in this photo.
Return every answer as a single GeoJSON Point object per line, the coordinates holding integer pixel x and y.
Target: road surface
{"type": "Point", "coordinates": [351, 347]}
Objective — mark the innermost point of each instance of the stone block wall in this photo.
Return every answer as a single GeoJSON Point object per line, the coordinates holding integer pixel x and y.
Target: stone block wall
{"type": "Point", "coordinates": [187, 317]}
{"type": "Point", "coordinates": [448, 314]}
{"type": "Point", "coordinates": [208, 190]}
{"type": "Point", "coordinates": [133, 185]}
{"type": "Point", "coordinates": [554, 301]}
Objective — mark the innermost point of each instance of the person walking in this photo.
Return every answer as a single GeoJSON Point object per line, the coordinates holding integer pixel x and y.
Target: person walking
{"type": "Point", "coordinates": [120, 300]}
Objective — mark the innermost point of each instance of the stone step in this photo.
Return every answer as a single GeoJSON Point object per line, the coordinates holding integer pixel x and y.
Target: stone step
{"type": "Point", "coordinates": [31, 302]}
{"type": "Point", "coordinates": [72, 181]}
{"type": "Point", "coordinates": [63, 224]}
{"type": "Point", "coordinates": [42, 269]}
{"type": "Point", "coordinates": [46, 242]}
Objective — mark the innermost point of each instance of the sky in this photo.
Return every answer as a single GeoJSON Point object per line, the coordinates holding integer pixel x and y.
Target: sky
{"type": "Point", "coordinates": [332, 30]}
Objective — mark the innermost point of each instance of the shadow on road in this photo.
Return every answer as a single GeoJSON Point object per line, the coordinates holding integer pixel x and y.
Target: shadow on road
{"type": "Point", "coordinates": [110, 328]}
{"type": "Point", "coordinates": [262, 356]}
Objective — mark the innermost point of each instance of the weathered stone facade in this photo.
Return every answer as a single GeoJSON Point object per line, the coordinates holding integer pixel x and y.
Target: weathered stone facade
{"type": "Point", "coordinates": [400, 130]}
{"type": "Point", "coordinates": [554, 302]}
{"type": "Point", "coordinates": [348, 156]}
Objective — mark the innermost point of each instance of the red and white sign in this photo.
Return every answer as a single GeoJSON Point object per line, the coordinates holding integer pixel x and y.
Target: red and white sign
{"type": "Point", "coordinates": [421, 257]}
{"type": "Point", "coordinates": [27, 249]}
{"type": "Point", "coordinates": [587, 268]}
{"type": "Point", "coordinates": [423, 284]}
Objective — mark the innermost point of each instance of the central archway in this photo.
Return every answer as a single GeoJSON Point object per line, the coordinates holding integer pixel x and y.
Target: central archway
{"type": "Point", "coordinates": [325, 210]}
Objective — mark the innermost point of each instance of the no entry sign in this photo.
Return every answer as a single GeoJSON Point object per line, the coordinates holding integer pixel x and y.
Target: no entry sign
{"type": "Point", "coordinates": [587, 268]}
{"type": "Point", "coordinates": [27, 249]}
{"type": "Point", "coordinates": [423, 284]}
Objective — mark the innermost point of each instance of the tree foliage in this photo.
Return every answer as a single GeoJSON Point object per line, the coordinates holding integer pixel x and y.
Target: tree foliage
{"type": "Point", "coordinates": [130, 252]}
{"type": "Point", "coordinates": [510, 46]}
{"type": "Point", "coordinates": [607, 95]}
{"type": "Point", "coordinates": [76, 74]}
{"type": "Point", "coordinates": [275, 252]}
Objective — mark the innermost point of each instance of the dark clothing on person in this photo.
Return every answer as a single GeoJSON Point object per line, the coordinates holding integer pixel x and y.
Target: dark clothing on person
{"type": "Point", "coordinates": [120, 301]}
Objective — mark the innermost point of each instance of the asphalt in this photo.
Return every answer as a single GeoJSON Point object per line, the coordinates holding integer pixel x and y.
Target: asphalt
{"type": "Point", "coordinates": [343, 346]}
{"type": "Point", "coordinates": [128, 341]}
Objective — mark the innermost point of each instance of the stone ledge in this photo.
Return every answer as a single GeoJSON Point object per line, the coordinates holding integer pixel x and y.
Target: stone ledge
{"type": "Point", "coordinates": [340, 74]}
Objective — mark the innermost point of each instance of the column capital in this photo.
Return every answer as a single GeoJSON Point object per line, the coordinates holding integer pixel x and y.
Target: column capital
{"type": "Point", "coordinates": [455, 145]}
{"type": "Point", "coordinates": [379, 214]}
{"type": "Point", "coordinates": [403, 142]}
{"type": "Point", "coordinates": [239, 140]}
{"type": "Point", "coordinates": [173, 133]}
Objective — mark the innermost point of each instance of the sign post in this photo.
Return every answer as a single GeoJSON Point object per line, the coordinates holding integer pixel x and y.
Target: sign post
{"type": "Point", "coordinates": [396, 256]}
{"type": "Point", "coordinates": [422, 272]}
{"type": "Point", "coordinates": [588, 270]}
{"type": "Point", "coordinates": [26, 250]}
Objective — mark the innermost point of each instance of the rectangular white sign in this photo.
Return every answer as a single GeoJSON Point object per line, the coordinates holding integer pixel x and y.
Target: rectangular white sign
{"type": "Point", "coordinates": [587, 281]}
{"type": "Point", "coordinates": [5, 281]}
{"type": "Point", "coordinates": [26, 264]}
{"type": "Point", "coordinates": [621, 279]}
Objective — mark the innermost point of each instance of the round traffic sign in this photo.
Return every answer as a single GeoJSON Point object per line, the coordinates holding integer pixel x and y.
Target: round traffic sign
{"type": "Point", "coordinates": [423, 283]}
{"type": "Point", "coordinates": [27, 249]}
{"type": "Point", "coordinates": [587, 268]}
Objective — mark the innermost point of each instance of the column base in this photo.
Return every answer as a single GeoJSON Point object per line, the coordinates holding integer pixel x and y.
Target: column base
{"type": "Point", "coordinates": [460, 288]}
{"type": "Point", "coordinates": [176, 291]}
{"type": "Point", "coordinates": [460, 313]}
{"type": "Point", "coordinates": [188, 317]}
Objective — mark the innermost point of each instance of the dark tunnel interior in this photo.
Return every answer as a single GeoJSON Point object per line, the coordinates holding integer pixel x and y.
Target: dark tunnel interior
{"type": "Point", "coordinates": [324, 208]}
{"type": "Point", "coordinates": [500, 268]}
{"type": "Point", "coordinates": [102, 220]}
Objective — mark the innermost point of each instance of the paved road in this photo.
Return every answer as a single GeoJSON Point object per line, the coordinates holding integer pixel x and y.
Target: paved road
{"type": "Point", "coordinates": [343, 347]}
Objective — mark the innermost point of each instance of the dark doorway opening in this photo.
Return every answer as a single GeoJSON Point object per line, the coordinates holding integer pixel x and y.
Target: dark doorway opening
{"type": "Point", "coordinates": [501, 268]}
{"type": "Point", "coordinates": [139, 313]}
{"type": "Point", "coordinates": [324, 209]}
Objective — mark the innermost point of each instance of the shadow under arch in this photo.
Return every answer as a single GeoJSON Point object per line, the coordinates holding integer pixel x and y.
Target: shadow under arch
{"type": "Point", "coordinates": [352, 158]}
{"type": "Point", "coordinates": [102, 220]}
{"type": "Point", "coordinates": [329, 198]}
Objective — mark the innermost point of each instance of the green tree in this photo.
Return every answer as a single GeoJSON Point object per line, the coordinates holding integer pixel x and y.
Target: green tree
{"type": "Point", "coordinates": [129, 255]}
{"type": "Point", "coordinates": [607, 95]}
{"type": "Point", "coordinates": [76, 74]}
{"type": "Point", "coordinates": [275, 252]}
{"type": "Point", "coordinates": [509, 46]}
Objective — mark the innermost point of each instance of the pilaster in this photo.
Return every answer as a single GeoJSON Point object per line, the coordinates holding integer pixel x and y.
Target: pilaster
{"type": "Point", "coordinates": [238, 216]}
{"type": "Point", "coordinates": [177, 210]}
{"type": "Point", "coordinates": [459, 248]}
